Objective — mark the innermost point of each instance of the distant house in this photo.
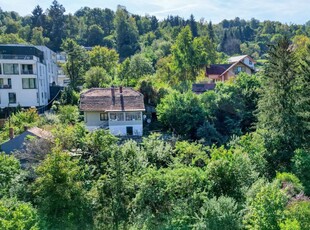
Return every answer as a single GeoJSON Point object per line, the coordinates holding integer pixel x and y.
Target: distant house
{"type": "Point", "coordinates": [18, 143]}
{"type": "Point", "coordinates": [237, 64]}
{"type": "Point", "coordinates": [117, 109]}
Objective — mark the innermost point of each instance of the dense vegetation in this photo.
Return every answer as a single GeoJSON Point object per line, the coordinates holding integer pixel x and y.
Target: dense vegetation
{"type": "Point", "coordinates": [237, 157]}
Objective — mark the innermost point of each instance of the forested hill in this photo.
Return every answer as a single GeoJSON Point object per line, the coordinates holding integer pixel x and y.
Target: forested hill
{"type": "Point", "coordinates": [129, 33]}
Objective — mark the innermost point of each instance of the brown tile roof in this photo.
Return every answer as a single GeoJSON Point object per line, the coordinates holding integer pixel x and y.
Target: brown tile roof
{"type": "Point", "coordinates": [217, 69]}
{"type": "Point", "coordinates": [101, 99]}
{"type": "Point", "coordinates": [41, 133]}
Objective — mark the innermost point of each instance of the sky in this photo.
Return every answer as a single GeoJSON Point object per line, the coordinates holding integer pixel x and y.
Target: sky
{"type": "Point", "coordinates": [286, 11]}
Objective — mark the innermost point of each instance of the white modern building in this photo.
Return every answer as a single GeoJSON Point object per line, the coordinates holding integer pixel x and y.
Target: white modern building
{"type": "Point", "coordinates": [62, 80]}
{"type": "Point", "coordinates": [26, 73]}
{"type": "Point", "coordinates": [117, 109]}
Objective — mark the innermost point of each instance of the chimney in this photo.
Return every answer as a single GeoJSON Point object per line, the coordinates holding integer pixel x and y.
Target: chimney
{"type": "Point", "coordinates": [113, 94]}
{"type": "Point", "coordinates": [11, 133]}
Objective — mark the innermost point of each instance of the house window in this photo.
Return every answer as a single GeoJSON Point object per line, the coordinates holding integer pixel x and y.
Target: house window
{"type": "Point", "coordinates": [0, 69]}
{"type": "Point", "coordinates": [12, 98]}
{"type": "Point", "coordinates": [10, 68]}
{"type": "Point", "coordinates": [104, 117]}
{"type": "Point", "coordinates": [133, 116]}
{"type": "Point", "coordinates": [116, 116]}
{"type": "Point", "coordinates": [5, 84]}
{"type": "Point", "coordinates": [27, 69]}
{"type": "Point", "coordinates": [29, 83]}
{"type": "Point", "coordinates": [129, 130]}
{"type": "Point", "coordinates": [250, 62]}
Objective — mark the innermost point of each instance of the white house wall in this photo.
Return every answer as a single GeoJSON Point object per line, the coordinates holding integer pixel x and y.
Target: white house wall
{"type": "Point", "coordinates": [118, 128]}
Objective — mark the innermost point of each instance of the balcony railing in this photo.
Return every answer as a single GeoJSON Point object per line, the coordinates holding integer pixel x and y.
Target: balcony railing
{"type": "Point", "coordinates": [18, 57]}
{"type": "Point", "coordinates": [5, 86]}
{"type": "Point", "coordinates": [27, 71]}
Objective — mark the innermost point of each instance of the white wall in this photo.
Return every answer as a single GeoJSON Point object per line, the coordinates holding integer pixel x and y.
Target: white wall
{"type": "Point", "coordinates": [26, 97]}
{"type": "Point", "coordinates": [92, 121]}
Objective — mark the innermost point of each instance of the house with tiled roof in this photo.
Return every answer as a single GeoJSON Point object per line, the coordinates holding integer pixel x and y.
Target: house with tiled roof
{"type": "Point", "coordinates": [236, 65]}
{"type": "Point", "coordinates": [18, 143]}
{"type": "Point", "coordinates": [118, 109]}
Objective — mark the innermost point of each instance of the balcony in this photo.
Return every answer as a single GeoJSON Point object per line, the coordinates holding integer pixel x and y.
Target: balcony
{"type": "Point", "coordinates": [5, 86]}
{"type": "Point", "coordinates": [30, 71]}
{"type": "Point", "coordinates": [17, 57]}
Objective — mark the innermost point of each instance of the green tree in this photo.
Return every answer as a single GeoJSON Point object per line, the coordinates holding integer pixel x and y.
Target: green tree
{"type": "Point", "coordinates": [76, 62]}
{"type": "Point", "coordinates": [126, 33]}
{"type": "Point", "coordinates": [277, 117]}
{"type": "Point", "coordinates": [9, 170]}
{"type": "Point", "coordinates": [95, 36]}
{"type": "Point", "coordinates": [181, 113]}
{"type": "Point", "coordinates": [97, 77]}
{"type": "Point", "coordinates": [17, 215]}
{"type": "Point", "coordinates": [105, 58]}
{"type": "Point", "coordinates": [219, 213]}
{"type": "Point", "coordinates": [60, 195]}
{"type": "Point", "coordinates": [301, 167]}
{"type": "Point", "coordinates": [56, 22]}
{"type": "Point", "coordinates": [37, 37]}
{"type": "Point", "coordinates": [265, 206]}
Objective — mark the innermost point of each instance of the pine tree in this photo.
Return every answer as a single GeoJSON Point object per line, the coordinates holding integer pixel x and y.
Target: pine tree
{"type": "Point", "coordinates": [277, 115]}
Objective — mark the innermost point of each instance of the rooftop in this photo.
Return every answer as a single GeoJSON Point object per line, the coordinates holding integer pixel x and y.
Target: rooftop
{"type": "Point", "coordinates": [111, 99]}
{"type": "Point", "coordinates": [217, 69]}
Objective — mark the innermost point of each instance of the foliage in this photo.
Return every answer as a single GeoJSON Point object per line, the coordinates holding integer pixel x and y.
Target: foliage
{"type": "Point", "coordinates": [69, 97]}
{"type": "Point", "coordinates": [191, 154]}
{"type": "Point", "coordinates": [97, 77]}
{"type": "Point", "coordinates": [9, 170]}
{"type": "Point", "coordinates": [181, 113]}
{"type": "Point", "coordinates": [231, 173]}
{"type": "Point", "coordinates": [282, 127]}
{"type": "Point", "coordinates": [76, 62]}
{"type": "Point", "coordinates": [60, 196]}
{"type": "Point", "coordinates": [301, 167]}
{"type": "Point", "coordinates": [126, 33]}
{"type": "Point", "coordinates": [158, 152]}
{"type": "Point", "coordinates": [265, 209]}
{"type": "Point", "coordinates": [219, 213]}
{"type": "Point", "coordinates": [68, 114]}
{"type": "Point", "coordinates": [298, 212]}
{"type": "Point", "coordinates": [105, 58]}
{"type": "Point", "coordinates": [164, 193]}
{"type": "Point", "coordinates": [17, 215]}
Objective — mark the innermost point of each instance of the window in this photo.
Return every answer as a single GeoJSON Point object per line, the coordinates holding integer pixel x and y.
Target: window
{"type": "Point", "coordinates": [133, 116]}
{"type": "Point", "coordinates": [250, 62]}
{"type": "Point", "coordinates": [0, 69]}
{"type": "Point", "coordinates": [116, 116]}
{"type": "Point", "coordinates": [129, 130]}
{"type": "Point", "coordinates": [10, 69]}
{"type": "Point", "coordinates": [27, 69]}
{"type": "Point", "coordinates": [104, 117]}
{"type": "Point", "coordinates": [29, 83]}
{"type": "Point", "coordinates": [12, 98]}
{"type": "Point", "coordinates": [5, 83]}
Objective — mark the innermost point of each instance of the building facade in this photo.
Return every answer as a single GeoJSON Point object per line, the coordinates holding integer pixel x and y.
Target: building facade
{"type": "Point", "coordinates": [62, 80]}
{"type": "Point", "coordinates": [224, 72]}
{"type": "Point", "coordinates": [26, 73]}
{"type": "Point", "coordinates": [117, 109]}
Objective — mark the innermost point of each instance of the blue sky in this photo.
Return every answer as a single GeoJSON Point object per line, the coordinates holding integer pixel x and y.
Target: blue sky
{"type": "Point", "coordinates": [288, 11]}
